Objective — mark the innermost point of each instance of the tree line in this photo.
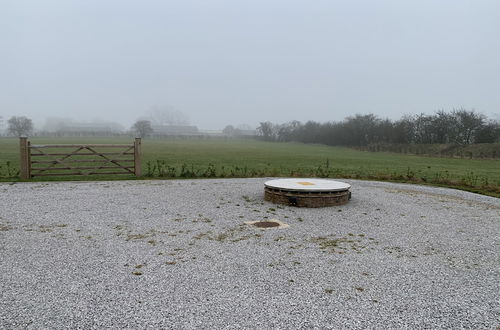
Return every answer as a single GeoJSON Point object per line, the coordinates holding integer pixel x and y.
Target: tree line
{"type": "Point", "coordinates": [459, 126]}
{"type": "Point", "coordinates": [23, 126]}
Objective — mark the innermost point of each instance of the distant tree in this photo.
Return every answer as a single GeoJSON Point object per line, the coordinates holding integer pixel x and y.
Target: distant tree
{"type": "Point", "coordinates": [267, 131]}
{"type": "Point", "coordinates": [489, 133]}
{"type": "Point", "coordinates": [311, 132]}
{"type": "Point", "coordinates": [459, 126]}
{"type": "Point", "coordinates": [443, 127]}
{"type": "Point", "coordinates": [404, 130]}
{"type": "Point", "coordinates": [468, 123]}
{"type": "Point", "coordinates": [287, 131]}
{"type": "Point", "coordinates": [360, 129]}
{"type": "Point", "coordinates": [20, 126]}
{"type": "Point", "coordinates": [142, 128]}
{"type": "Point", "coordinates": [423, 128]}
{"type": "Point", "coordinates": [229, 130]}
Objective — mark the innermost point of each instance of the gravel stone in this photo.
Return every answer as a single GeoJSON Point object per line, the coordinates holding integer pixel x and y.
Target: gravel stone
{"type": "Point", "coordinates": [177, 254]}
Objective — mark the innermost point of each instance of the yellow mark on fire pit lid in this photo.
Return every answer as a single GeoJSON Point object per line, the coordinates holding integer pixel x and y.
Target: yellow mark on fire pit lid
{"type": "Point", "coordinates": [306, 183]}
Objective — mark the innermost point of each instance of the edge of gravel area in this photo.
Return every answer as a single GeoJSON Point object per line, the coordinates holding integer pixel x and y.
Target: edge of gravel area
{"type": "Point", "coordinates": [429, 189]}
{"type": "Point", "coordinates": [434, 190]}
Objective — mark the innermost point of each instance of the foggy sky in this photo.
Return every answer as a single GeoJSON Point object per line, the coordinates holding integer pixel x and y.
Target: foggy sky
{"type": "Point", "coordinates": [230, 62]}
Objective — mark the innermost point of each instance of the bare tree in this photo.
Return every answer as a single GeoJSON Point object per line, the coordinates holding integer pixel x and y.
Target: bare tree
{"type": "Point", "coordinates": [229, 130]}
{"type": "Point", "coordinates": [267, 131]}
{"type": "Point", "coordinates": [20, 126]}
{"type": "Point", "coordinates": [142, 128]}
{"type": "Point", "coordinates": [488, 133]}
{"type": "Point", "coordinates": [404, 130]}
{"type": "Point", "coordinates": [468, 123]}
{"type": "Point", "coordinates": [443, 127]}
{"type": "Point", "coordinates": [287, 130]}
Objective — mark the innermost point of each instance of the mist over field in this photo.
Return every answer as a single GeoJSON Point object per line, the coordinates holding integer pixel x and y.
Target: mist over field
{"type": "Point", "coordinates": [215, 63]}
{"type": "Point", "coordinates": [268, 164]}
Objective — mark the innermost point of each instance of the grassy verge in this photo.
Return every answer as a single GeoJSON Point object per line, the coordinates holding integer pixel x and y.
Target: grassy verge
{"type": "Point", "coordinates": [164, 158]}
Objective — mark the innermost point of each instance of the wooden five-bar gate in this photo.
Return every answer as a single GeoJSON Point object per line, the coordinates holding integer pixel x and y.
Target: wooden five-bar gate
{"type": "Point", "coordinates": [79, 159]}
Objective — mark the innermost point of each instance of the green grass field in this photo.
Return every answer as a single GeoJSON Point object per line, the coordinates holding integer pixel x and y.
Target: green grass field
{"type": "Point", "coordinates": [242, 158]}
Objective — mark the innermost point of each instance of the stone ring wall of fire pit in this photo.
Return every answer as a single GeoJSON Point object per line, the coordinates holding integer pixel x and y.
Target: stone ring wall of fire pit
{"type": "Point", "coordinates": [303, 192]}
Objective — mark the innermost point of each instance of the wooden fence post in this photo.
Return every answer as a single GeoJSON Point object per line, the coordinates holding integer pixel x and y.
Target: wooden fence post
{"type": "Point", "coordinates": [137, 156]}
{"type": "Point", "coordinates": [24, 152]}
{"type": "Point", "coordinates": [28, 153]}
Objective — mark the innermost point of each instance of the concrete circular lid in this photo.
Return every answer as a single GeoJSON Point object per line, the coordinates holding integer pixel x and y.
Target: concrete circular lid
{"type": "Point", "coordinates": [304, 184]}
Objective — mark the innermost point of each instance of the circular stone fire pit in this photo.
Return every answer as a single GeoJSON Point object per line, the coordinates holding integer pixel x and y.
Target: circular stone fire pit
{"type": "Point", "coordinates": [307, 192]}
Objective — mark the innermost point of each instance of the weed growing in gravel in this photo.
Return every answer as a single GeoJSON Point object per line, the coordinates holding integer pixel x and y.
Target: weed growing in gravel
{"type": "Point", "coordinates": [222, 236]}
{"type": "Point", "coordinates": [5, 227]}
{"type": "Point", "coordinates": [201, 235]}
{"type": "Point", "coordinates": [341, 244]}
{"type": "Point", "coordinates": [228, 235]}
{"type": "Point", "coordinates": [44, 229]}
{"type": "Point", "coordinates": [136, 236]}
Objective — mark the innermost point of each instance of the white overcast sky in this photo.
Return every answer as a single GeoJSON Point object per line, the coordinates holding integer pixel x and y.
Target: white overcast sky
{"type": "Point", "coordinates": [230, 62]}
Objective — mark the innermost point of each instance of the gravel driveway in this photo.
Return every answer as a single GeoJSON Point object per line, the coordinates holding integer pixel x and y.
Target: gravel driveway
{"type": "Point", "coordinates": [178, 255]}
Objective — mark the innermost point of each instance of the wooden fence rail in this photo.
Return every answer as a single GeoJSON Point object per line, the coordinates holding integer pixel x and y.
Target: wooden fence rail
{"type": "Point", "coordinates": [77, 159]}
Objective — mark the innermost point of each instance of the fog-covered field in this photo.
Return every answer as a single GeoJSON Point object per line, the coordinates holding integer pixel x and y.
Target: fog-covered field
{"type": "Point", "coordinates": [190, 158]}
